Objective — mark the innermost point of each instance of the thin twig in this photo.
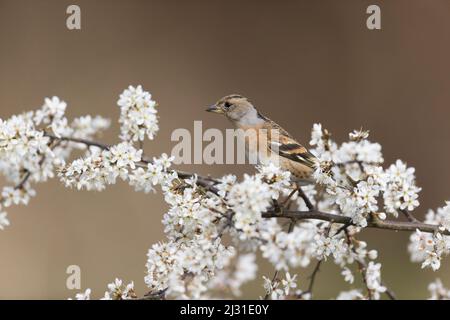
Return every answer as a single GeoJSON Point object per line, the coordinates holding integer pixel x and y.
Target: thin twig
{"type": "Point", "coordinates": [389, 292]}
{"type": "Point", "coordinates": [284, 203]}
{"type": "Point", "coordinates": [312, 277]}
{"type": "Point", "coordinates": [305, 199]}
{"type": "Point", "coordinates": [409, 216]}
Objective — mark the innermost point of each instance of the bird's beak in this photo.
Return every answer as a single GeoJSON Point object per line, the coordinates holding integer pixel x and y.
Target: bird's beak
{"type": "Point", "coordinates": [214, 109]}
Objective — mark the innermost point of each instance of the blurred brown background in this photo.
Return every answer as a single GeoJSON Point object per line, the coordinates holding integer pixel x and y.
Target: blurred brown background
{"type": "Point", "coordinates": [300, 61]}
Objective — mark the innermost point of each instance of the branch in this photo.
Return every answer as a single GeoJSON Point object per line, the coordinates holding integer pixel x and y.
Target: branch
{"type": "Point", "coordinates": [305, 199]}
{"type": "Point", "coordinates": [335, 218]}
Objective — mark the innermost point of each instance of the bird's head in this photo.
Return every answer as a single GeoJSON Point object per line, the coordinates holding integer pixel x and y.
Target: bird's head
{"type": "Point", "coordinates": [236, 108]}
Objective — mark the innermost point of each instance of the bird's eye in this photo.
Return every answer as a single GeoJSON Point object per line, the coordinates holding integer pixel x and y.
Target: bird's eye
{"type": "Point", "coordinates": [227, 105]}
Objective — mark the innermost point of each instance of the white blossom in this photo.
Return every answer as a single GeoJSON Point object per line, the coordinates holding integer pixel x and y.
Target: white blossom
{"type": "Point", "coordinates": [118, 291]}
{"type": "Point", "coordinates": [438, 291]}
{"type": "Point", "coordinates": [183, 269]}
{"type": "Point", "coordinates": [430, 248]}
{"type": "Point", "coordinates": [248, 200]}
{"type": "Point", "coordinates": [358, 135]}
{"type": "Point", "coordinates": [87, 127]}
{"type": "Point", "coordinates": [326, 246]}
{"type": "Point", "coordinates": [351, 295]}
{"type": "Point", "coordinates": [101, 168]}
{"type": "Point", "coordinates": [316, 134]}
{"type": "Point", "coordinates": [288, 249]}
{"type": "Point", "coordinates": [137, 114]}
{"type": "Point", "coordinates": [86, 295]}
{"type": "Point", "coordinates": [289, 283]}
{"type": "Point", "coordinates": [373, 279]}
{"type": "Point", "coordinates": [278, 180]}
{"type": "Point", "coordinates": [348, 275]}
{"type": "Point", "coordinates": [400, 191]}
{"type": "Point", "coordinates": [278, 289]}
{"type": "Point", "coordinates": [225, 184]}
{"type": "Point", "coordinates": [4, 222]}
{"type": "Point", "coordinates": [53, 108]}
{"type": "Point", "coordinates": [322, 174]}
{"type": "Point", "coordinates": [238, 272]}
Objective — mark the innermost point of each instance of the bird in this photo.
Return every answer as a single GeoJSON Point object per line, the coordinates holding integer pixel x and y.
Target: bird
{"type": "Point", "coordinates": [274, 144]}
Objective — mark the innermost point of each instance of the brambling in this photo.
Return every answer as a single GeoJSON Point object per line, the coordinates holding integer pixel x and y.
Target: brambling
{"type": "Point", "coordinates": [273, 143]}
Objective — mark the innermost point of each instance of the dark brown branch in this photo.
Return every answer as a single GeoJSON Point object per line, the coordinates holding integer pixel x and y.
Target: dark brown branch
{"type": "Point", "coordinates": [305, 199]}
{"type": "Point", "coordinates": [24, 180]}
{"type": "Point", "coordinates": [389, 292]}
{"type": "Point", "coordinates": [335, 218]}
{"type": "Point", "coordinates": [312, 277]}
{"type": "Point", "coordinates": [160, 295]}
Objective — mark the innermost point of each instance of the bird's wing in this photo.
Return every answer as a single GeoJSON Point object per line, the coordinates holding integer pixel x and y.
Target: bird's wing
{"type": "Point", "coordinates": [289, 148]}
{"type": "Point", "coordinates": [284, 145]}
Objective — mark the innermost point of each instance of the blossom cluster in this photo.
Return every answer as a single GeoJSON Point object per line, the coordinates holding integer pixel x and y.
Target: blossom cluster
{"type": "Point", "coordinates": [373, 279]}
{"type": "Point", "coordinates": [182, 266]}
{"type": "Point", "coordinates": [101, 167]}
{"type": "Point", "coordinates": [358, 179]}
{"type": "Point", "coordinates": [438, 291]}
{"type": "Point", "coordinates": [182, 270]}
{"type": "Point", "coordinates": [278, 289]}
{"type": "Point", "coordinates": [430, 248]}
{"type": "Point", "coordinates": [32, 147]}
{"type": "Point", "coordinates": [137, 114]}
{"type": "Point", "coordinates": [194, 255]}
{"type": "Point", "coordinates": [238, 271]}
{"type": "Point", "coordinates": [116, 291]}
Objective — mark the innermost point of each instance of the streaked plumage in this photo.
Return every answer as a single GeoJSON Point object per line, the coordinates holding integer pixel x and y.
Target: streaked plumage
{"type": "Point", "coordinates": [282, 148]}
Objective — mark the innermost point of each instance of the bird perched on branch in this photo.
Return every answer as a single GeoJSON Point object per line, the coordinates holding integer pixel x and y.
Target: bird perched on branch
{"type": "Point", "coordinates": [265, 140]}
